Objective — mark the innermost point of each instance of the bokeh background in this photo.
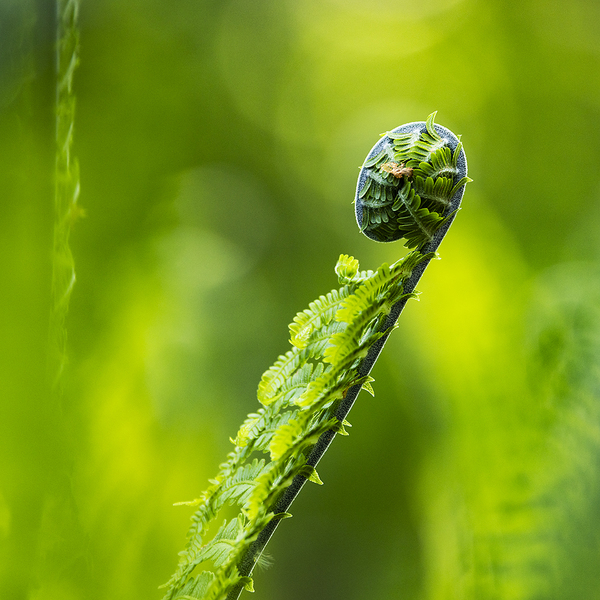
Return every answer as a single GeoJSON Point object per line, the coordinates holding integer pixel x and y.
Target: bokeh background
{"type": "Point", "coordinates": [219, 144]}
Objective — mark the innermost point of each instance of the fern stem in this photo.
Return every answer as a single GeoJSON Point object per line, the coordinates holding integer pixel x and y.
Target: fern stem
{"type": "Point", "coordinates": [66, 182]}
{"type": "Point", "coordinates": [249, 560]}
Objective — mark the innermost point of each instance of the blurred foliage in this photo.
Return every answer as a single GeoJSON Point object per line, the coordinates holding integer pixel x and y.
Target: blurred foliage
{"type": "Point", "coordinates": [218, 144]}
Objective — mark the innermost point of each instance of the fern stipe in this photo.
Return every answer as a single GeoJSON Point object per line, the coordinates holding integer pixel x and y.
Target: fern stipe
{"type": "Point", "coordinates": [410, 186]}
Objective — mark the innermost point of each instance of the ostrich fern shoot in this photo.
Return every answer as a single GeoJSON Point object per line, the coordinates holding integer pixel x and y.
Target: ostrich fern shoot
{"type": "Point", "coordinates": [410, 187]}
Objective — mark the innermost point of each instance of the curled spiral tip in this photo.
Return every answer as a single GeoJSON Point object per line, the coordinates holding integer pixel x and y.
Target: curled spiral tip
{"type": "Point", "coordinates": [411, 183]}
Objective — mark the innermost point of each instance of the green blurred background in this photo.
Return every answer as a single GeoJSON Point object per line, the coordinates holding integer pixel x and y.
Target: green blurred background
{"type": "Point", "coordinates": [219, 143]}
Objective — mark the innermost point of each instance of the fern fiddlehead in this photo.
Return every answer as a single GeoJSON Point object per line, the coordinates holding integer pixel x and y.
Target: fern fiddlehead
{"type": "Point", "coordinates": [410, 187]}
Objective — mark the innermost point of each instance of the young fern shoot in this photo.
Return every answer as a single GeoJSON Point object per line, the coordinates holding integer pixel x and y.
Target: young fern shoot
{"type": "Point", "coordinates": [410, 187]}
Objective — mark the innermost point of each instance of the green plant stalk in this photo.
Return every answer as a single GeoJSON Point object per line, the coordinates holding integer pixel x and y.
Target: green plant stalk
{"type": "Point", "coordinates": [66, 182]}
{"type": "Point", "coordinates": [309, 391]}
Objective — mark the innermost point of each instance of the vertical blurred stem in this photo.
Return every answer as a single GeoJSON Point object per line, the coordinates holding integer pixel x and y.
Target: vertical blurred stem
{"type": "Point", "coordinates": [30, 438]}
{"type": "Point", "coordinates": [66, 183]}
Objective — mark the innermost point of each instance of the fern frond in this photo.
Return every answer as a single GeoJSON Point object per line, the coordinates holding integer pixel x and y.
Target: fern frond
{"type": "Point", "coordinates": [346, 269]}
{"type": "Point", "coordinates": [405, 140]}
{"type": "Point", "coordinates": [307, 393]}
{"type": "Point", "coordinates": [264, 484]}
{"type": "Point", "coordinates": [275, 376]}
{"type": "Point", "coordinates": [250, 428]}
{"type": "Point", "coordinates": [385, 154]}
{"type": "Point", "coordinates": [438, 192]}
{"type": "Point", "coordinates": [417, 223]}
{"type": "Point", "coordinates": [196, 587]}
{"type": "Point", "coordinates": [440, 164]}
{"type": "Point", "coordinates": [418, 148]}
{"type": "Point", "coordinates": [460, 184]}
{"type": "Point", "coordinates": [238, 488]}
{"type": "Point", "coordinates": [295, 384]}
{"type": "Point", "coordinates": [221, 546]}
{"type": "Point", "coordinates": [341, 327]}
{"type": "Point", "coordinates": [284, 437]}
{"type": "Point", "coordinates": [377, 284]}
{"type": "Point", "coordinates": [263, 441]}
{"type": "Point", "coordinates": [319, 313]}
{"type": "Point", "coordinates": [333, 384]}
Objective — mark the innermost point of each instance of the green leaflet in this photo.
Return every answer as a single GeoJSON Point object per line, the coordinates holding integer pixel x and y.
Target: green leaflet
{"type": "Point", "coordinates": [311, 474]}
{"type": "Point", "coordinates": [320, 312]}
{"type": "Point", "coordinates": [234, 489]}
{"type": "Point", "coordinates": [239, 487]}
{"type": "Point", "coordinates": [437, 191]}
{"type": "Point", "coordinates": [417, 223]}
{"type": "Point", "coordinates": [219, 548]}
{"type": "Point", "coordinates": [346, 268]}
{"type": "Point", "coordinates": [299, 394]}
{"type": "Point", "coordinates": [196, 587]}
{"type": "Point", "coordinates": [284, 437]}
{"type": "Point", "coordinates": [262, 427]}
{"type": "Point", "coordinates": [274, 378]}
